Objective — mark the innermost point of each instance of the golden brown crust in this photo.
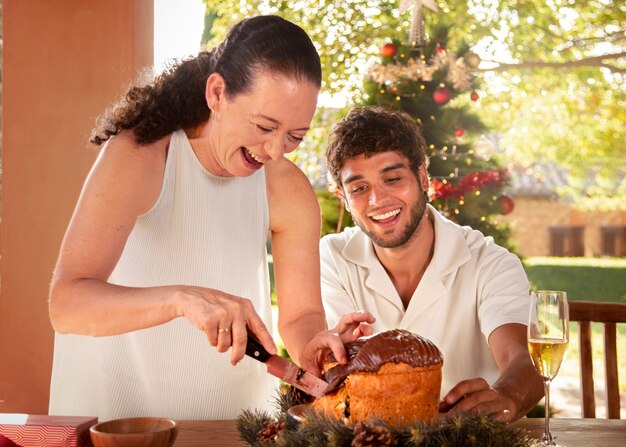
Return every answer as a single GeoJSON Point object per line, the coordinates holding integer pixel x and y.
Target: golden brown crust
{"type": "Point", "coordinates": [334, 404]}
{"type": "Point", "coordinates": [398, 393]}
{"type": "Point", "coordinates": [379, 382]}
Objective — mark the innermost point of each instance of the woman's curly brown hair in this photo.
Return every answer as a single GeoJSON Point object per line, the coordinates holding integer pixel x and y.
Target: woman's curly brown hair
{"type": "Point", "coordinates": [176, 98]}
{"type": "Point", "coordinates": [371, 130]}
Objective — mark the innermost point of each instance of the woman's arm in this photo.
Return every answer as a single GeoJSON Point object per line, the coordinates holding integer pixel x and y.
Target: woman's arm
{"type": "Point", "coordinates": [295, 223]}
{"type": "Point", "coordinates": [125, 183]}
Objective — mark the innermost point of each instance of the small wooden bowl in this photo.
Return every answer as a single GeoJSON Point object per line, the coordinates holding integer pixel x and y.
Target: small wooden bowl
{"type": "Point", "coordinates": [134, 432]}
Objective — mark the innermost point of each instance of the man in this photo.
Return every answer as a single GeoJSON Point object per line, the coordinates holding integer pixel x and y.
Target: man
{"type": "Point", "coordinates": [416, 270]}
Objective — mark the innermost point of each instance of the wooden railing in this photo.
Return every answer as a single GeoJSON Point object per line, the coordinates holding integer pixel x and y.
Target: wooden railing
{"type": "Point", "coordinates": [609, 314]}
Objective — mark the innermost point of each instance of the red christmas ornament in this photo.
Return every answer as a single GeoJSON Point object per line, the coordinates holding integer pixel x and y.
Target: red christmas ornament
{"type": "Point", "coordinates": [459, 132]}
{"type": "Point", "coordinates": [474, 96]}
{"type": "Point", "coordinates": [442, 95]}
{"type": "Point", "coordinates": [507, 205]}
{"type": "Point", "coordinates": [388, 50]}
{"type": "Point", "coordinates": [440, 49]}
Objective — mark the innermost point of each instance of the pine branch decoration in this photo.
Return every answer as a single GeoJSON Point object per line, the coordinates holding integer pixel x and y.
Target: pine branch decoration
{"type": "Point", "coordinates": [250, 423]}
{"type": "Point", "coordinates": [260, 429]}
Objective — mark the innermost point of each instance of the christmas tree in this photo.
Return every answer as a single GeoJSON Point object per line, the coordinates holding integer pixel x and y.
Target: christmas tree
{"type": "Point", "coordinates": [438, 87]}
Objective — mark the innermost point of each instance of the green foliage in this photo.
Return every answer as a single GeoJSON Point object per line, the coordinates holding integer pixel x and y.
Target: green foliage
{"type": "Point", "coordinates": [207, 32]}
{"type": "Point", "coordinates": [320, 430]}
{"type": "Point", "coordinates": [538, 411]}
{"type": "Point", "coordinates": [570, 113]}
{"type": "Point", "coordinates": [250, 423]}
{"type": "Point", "coordinates": [332, 208]}
{"type": "Point", "coordinates": [309, 155]}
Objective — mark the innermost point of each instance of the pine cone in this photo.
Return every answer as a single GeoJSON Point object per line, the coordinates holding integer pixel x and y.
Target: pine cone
{"type": "Point", "coordinates": [270, 432]}
{"type": "Point", "coordinates": [369, 434]}
{"type": "Point", "coordinates": [297, 396]}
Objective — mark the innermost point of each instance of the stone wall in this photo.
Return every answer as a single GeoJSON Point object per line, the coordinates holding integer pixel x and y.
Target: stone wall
{"type": "Point", "coordinates": [534, 217]}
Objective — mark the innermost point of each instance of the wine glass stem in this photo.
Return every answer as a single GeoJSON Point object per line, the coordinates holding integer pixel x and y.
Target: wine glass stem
{"type": "Point", "coordinates": [547, 436]}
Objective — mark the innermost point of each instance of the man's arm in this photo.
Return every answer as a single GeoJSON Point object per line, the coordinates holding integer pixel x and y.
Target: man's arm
{"type": "Point", "coordinates": [516, 391]}
{"type": "Point", "coordinates": [519, 382]}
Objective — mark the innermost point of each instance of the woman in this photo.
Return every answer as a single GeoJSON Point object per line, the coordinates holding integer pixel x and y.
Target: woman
{"type": "Point", "coordinates": [166, 247]}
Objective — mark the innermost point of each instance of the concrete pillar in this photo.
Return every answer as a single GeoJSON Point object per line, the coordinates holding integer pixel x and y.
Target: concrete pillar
{"type": "Point", "coordinates": [64, 62]}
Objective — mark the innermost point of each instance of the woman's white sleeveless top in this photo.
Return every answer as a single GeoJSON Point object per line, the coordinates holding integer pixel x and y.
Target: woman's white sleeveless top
{"type": "Point", "coordinates": [203, 230]}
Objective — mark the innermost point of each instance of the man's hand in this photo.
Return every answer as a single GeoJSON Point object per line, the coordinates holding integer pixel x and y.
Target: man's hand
{"type": "Point", "coordinates": [476, 396]}
{"type": "Point", "coordinates": [350, 327]}
{"type": "Point", "coordinates": [516, 391]}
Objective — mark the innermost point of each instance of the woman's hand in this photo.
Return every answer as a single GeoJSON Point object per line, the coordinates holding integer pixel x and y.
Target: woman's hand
{"type": "Point", "coordinates": [350, 327]}
{"type": "Point", "coordinates": [225, 319]}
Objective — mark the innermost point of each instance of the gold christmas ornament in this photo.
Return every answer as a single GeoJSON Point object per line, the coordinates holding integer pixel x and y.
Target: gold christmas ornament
{"type": "Point", "coordinates": [459, 73]}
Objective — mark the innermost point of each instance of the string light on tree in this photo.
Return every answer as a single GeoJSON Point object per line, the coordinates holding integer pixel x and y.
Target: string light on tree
{"type": "Point", "coordinates": [483, 148]}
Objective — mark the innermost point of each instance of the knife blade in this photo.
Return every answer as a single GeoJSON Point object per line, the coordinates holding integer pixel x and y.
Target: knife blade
{"type": "Point", "coordinates": [286, 370]}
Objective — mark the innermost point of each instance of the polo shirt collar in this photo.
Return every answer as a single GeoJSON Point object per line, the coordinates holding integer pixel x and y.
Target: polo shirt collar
{"type": "Point", "coordinates": [451, 250]}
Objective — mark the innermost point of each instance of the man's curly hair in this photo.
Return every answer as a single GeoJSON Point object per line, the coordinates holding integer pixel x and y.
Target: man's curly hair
{"type": "Point", "coordinates": [176, 98]}
{"type": "Point", "coordinates": [371, 130]}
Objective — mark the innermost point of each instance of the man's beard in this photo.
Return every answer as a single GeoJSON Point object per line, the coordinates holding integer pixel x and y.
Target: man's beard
{"type": "Point", "coordinates": [417, 212]}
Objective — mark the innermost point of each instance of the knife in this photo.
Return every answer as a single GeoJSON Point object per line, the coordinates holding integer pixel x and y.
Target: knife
{"type": "Point", "coordinates": [286, 370]}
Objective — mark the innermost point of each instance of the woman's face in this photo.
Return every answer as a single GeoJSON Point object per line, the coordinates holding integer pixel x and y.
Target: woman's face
{"type": "Point", "coordinates": [258, 126]}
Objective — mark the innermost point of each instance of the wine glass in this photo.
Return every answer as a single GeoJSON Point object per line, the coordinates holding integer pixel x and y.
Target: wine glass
{"type": "Point", "coordinates": [548, 335]}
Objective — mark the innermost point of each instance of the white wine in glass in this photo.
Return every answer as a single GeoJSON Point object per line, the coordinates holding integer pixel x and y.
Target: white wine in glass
{"type": "Point", "coordinates": [548, 335]}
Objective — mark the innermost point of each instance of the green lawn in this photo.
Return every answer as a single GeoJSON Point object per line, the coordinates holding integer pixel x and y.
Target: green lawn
{"type": "Point", "coordinates": [588, 279]}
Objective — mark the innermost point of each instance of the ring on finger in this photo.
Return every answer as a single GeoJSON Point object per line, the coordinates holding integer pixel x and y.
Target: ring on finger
{"type": "Point", "coordinates": [223, 330]}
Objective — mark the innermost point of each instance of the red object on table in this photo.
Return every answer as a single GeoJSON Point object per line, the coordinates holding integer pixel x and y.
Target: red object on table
{"type": "Point", "coordinates": [26, 430]}
{"type": "Point", "coordinates": [6, 442]}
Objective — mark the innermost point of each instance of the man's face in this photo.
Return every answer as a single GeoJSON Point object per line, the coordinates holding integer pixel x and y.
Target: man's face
{"type": "Point", "coordinates": [386, 199]}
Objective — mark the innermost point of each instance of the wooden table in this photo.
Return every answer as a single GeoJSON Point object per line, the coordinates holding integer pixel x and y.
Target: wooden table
{"type": "Point", "coordinates": [568, 432]}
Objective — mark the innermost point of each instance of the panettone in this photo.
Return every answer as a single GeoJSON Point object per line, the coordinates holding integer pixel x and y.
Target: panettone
{"type": "Point", "coordinates": [394, 375]}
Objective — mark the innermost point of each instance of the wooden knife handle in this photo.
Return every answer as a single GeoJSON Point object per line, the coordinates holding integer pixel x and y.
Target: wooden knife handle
{"type": "Point", "coordinates": [255, 349]}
